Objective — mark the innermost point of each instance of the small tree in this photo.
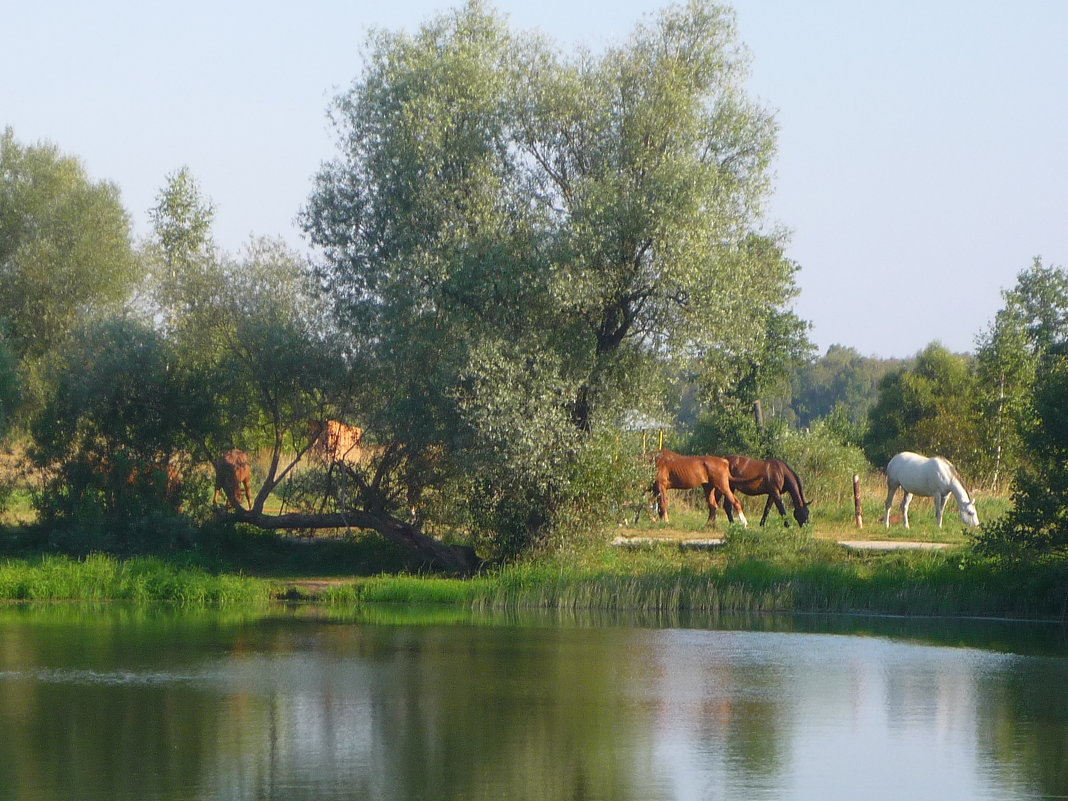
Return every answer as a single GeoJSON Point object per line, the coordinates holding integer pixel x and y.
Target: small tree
{"type": "Point", "coordinates": [1038, 522]}
{"type": "Point", "coordinates": [928, 407]}
{"type": "Point", "coordinates": [184, 270]}
{"type": "Point", "coordinates": [65, 252]}
{"type": "Point", "coordinates": [119, 412]}
{"type": "Point", "coordinates": [1033, 320]}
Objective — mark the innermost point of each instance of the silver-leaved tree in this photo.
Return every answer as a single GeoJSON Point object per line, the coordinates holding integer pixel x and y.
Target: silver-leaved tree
{"type": "Point", "coordinates": [522, 245]}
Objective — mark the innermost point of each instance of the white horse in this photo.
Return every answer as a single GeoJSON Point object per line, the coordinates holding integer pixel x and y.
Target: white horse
{"type": "Point", "coordinates": [930, 477]}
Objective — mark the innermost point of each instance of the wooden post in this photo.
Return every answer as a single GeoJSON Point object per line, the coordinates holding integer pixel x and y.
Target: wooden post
{"type": "Point", "coordinates": [758, 413]}
{"type": "Point", "coordinates": [856, 501]}
{"type": "Point", "coordinates": [645, 442]}
{"type": "Point", "coordinates": [661, 446]}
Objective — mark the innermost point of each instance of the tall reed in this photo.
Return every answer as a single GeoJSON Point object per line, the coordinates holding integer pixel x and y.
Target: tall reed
{"type": "Point", "coordinates": [756, 572]}
{"type": "Point", "coordinates": [98, 577]}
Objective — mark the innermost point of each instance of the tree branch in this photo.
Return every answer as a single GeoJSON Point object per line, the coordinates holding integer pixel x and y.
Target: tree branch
{"type": "Point", "coordinates": [452, 558]}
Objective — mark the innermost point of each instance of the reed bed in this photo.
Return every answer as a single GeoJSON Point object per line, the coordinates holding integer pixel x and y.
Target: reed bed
{"type": "Point", "coordinates": [754, 573]}
{"type": "Point", "coordinates": [105, 578]}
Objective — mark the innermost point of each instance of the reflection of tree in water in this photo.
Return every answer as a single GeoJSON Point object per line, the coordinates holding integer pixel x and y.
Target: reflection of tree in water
{"type": "Point", "coordinates": [500, 714]}
{"type": "Point", "coordinates": [1023, 724]}
{"type": "Point", "coordinates": [96, 702]}
{"type": "Point", "coordinates": [723, 717]}
{"type": "Point", "coordinates": [115, 705]}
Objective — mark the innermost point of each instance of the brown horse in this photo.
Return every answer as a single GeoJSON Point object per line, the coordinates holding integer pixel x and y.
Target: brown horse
{"type": "Point", "coordinates": [771, 477]}
{"type": "Point", "coordinates": [233, 470]}
{"type": "Point", "coordinates": [712, 473]}
{"type": "Point", "coordinates": [332, 441]}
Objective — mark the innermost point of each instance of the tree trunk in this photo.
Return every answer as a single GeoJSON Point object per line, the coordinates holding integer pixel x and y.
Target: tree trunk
{"type": "Point", "coordinates": [461, 560]}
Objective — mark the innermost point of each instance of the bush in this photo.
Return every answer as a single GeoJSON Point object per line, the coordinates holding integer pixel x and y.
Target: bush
{"type": "Point", "coordinates": [824, 463]}
{"type": "Point", "coordinates": [116, 416]}
{"type": "Point", "coordinates": [1038, 521]}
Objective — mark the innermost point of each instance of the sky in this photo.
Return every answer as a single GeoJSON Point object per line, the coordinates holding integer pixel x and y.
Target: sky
{"type": "Point", "coordinates": [923, 144]}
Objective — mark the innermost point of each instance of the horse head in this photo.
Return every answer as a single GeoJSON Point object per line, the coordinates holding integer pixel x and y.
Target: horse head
{"type": "Point", "coordinates": [801, 513]}
{"type": "Point", "coordinates": [968, 515]}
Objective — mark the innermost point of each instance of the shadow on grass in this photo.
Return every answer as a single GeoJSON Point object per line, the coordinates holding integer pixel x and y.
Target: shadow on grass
{"type": "Point", "coordinates": [220, 548]}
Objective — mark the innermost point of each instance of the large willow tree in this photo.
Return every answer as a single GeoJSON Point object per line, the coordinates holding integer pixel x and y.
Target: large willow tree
{"type": "Point", "coordinates": [523, 243]}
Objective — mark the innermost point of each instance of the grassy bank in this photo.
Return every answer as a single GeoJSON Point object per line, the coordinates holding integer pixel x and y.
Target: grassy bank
{"type": "Point", "coordinates": [753, 572]}
{"type": "Point", "coordinates": [107, 578]}
{"type": "Point", "coordinates": [762, 571]}
{"type": "Point", "coordinates": [756, 571]}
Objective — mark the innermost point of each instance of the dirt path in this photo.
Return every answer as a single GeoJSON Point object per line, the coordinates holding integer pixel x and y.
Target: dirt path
{"type": "Point", "coordinates": [893, 545]}
{"type": "Point", "coordinates": [714, 542]}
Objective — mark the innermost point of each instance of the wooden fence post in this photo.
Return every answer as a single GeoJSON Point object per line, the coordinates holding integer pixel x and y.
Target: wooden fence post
{"type": "Point", "coordinates": [856, 501]}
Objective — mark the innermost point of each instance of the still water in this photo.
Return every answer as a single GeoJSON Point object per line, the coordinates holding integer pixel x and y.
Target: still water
{"type": "Point", "coordinates": [146, 703]}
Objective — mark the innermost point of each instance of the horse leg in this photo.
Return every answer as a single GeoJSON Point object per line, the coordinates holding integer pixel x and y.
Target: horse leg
{"type": "Point", "coordinates": [940, 506]}
{"type": "Point", "coordinates": [661, 500]}
{"type": "Point", "coordinates": [891, 489]}
{"type": "Point", "coordinates": [721, 499]}
{"type": "Point", "coordinates": [732, 500]}
{"type": "Point", "coordinates": [905, 501]}
{"type": "Point", "coordinates": [775, 498]}
{"type": "Point", "coordinates": [767, 508]}
{"type": "Point", "coordinates": [713, 506]}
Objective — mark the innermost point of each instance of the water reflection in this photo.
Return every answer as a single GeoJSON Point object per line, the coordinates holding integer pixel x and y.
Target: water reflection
{"type": "Point", "coordinates": [147, 703]}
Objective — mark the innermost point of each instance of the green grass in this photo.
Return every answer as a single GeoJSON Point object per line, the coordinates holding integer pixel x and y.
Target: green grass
{"type": "Point", "coordinates": [769, 569]}
{"type": "Point", "coordinates": [834, 522]}
{"type": "Point", "coordinates": [106, 578]}
{"type": "Point", "coordinates": [780, 571]}
{"type": "Point", "coordinates": [17, 508]}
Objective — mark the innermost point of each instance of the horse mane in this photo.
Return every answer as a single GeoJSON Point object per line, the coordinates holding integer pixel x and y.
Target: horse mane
{"type": "Point", "coordinates": [796, 479]}
{"type": "Point", "coordinates": [953, 471]}
{"type": "Point", "coordinates": [956, 477]}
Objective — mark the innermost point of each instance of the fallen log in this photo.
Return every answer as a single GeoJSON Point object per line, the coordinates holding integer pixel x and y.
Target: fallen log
{"type": "Point", "coordinates": [457, 559]}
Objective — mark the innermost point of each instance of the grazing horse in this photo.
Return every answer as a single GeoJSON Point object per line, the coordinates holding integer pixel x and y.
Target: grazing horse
{"type": "Point", "coordinates": [332, 441]}
{"type": "Point", "coordinates": [233, 470]}
{"type": "Point", "coordinates": [771, 477]}
{"type": "Point", "coordinates": [675, 471]}
{"type": "Point", "coordinates": [930, 477]}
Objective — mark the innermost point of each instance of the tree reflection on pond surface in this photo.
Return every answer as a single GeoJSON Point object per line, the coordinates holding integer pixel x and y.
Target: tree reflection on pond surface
{"type": "Point", "coordinates": [138, 703]}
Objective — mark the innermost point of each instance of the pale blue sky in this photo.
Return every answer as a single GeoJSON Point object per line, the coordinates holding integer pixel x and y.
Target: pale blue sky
{"type": "Point", "coordinates": [923, 155]}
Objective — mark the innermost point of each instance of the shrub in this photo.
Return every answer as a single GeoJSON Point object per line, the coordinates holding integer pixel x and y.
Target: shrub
{"type": "Point", "coordinates": [824, 463]}
{"type": "Point", "coordinates": [1038, 521]}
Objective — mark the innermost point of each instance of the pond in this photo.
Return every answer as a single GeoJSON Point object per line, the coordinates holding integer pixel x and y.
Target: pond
{"type": "Point", "coordinates": [113, 702]}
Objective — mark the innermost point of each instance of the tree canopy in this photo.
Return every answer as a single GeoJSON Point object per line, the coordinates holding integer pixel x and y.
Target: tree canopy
{"type": "Point", "coordinates": [1032, 323]}
{"type": "Point", "coordinates": [523, 244]}
{"type": "Point", "coordinates": [927, 407]}
{"type": "Point", "coordinates": [65, 251]}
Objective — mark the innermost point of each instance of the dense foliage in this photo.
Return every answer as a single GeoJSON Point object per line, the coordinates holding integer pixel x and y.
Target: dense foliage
{"type": "Point", "coordinates": [522, 252]}
{"type": "Point", "coordinates": [519, 258]}
{"type": "Point", "coordinates": [118, 414]}
{"type": "Point", "coordinates": [841, 379]}
{"type": "Point", "coordinates": [65, 249]}
{"type": "Point", "coordinates": [929, 408]}
{"type": "Point", "coordinates": [1032, 323]}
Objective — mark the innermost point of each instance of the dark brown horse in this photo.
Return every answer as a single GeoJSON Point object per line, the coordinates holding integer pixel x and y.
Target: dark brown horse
{"type": "Point", "coordinates": [771, 477]}
{"type": "Point", "coordinates": [712, 473]}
